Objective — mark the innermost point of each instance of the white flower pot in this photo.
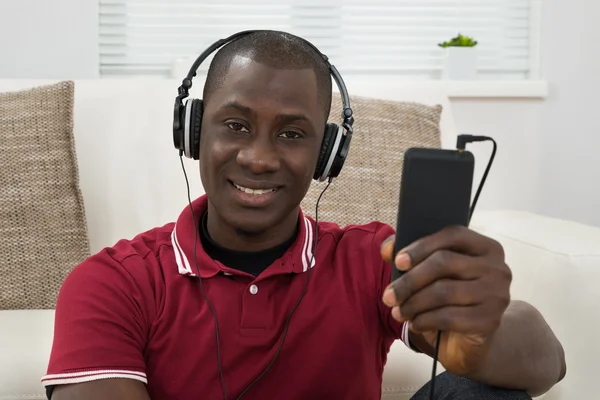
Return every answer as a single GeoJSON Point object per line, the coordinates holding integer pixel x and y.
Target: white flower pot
{"type": "Point", "coordinates": [460, 63]}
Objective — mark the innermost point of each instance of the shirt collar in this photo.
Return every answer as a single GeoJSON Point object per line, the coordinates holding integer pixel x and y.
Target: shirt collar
{"type": "Point", "coordinates": [295, 260]}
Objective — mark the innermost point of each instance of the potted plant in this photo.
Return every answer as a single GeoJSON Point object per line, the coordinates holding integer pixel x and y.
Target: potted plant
{"type": "Point", "coordinates": [461, 58]}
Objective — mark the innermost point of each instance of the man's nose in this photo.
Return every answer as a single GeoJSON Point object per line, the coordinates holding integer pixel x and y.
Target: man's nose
{"type": "Point", "coordinates": [259, 156]}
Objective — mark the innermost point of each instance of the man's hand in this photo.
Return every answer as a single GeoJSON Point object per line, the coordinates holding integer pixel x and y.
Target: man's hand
{"type": "Point", "coordinates": [455, 281]}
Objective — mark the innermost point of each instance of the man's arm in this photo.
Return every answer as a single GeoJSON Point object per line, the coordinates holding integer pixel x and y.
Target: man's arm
{"type": "Point", "coordinates": [114, 389]}
{"type": "Point", "coordinates": [101, 323]}
{"type": "Point", "coordinates": [457, 281]}
{"type": "Point", "coordinates": [524, 352]}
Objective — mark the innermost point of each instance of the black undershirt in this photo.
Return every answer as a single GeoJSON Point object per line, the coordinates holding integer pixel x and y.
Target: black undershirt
{"type": "Point", "coordinates": [252, 262]}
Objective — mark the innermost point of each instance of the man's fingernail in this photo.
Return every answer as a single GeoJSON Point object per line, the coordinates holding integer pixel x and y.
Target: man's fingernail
{"type": "Point", "coordinates": [389, 298]}
{"type": "Point", "coordinates": [402, 261]}
{"type": "Point", "coordinates": [386, 244]}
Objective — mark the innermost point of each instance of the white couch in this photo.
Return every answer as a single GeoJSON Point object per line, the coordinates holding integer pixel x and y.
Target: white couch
{"type": "Point", "coordinates": [131, 180]}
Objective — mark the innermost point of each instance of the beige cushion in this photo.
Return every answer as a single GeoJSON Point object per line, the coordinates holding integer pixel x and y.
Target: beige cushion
{"type": "Point", "coordinates": [367, 188]}
{"type": "Point", "coordinates": [43, 226]}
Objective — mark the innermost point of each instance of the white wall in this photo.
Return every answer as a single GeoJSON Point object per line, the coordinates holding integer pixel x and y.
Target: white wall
{"type": "Point", "coordinates": [514, 181]}
{"type": "Point", "coordinates": [546, 159]}
{"type": "Point", "coordinates": [548, 149]}
{"type": "Point", "coordinates": [48, 39]}
{"type": "Point", "coordinates": [570, 125]}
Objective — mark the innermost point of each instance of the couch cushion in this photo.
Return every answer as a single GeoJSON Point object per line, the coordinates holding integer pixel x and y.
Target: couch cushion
{"type": "Point", "coordinates": [43, 228]}
{"type": "Point", "coordinates": [368, 186]}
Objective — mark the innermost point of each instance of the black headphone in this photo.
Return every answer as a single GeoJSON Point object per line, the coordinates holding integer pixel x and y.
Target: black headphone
{"type": "Point", "coordinates": [187, 121]}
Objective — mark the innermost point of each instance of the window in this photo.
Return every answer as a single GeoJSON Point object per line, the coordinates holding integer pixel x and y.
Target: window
{"type": "Point", "coordinates": [365, 37]}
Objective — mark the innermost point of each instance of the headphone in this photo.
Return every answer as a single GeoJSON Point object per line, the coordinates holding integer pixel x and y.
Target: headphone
{"type": "Point", "coordinates": [187, 120]}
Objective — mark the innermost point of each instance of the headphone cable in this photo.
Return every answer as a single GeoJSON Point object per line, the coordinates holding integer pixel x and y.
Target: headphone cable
{"type": "Point", "coordinates": [289, 317]}
{"type": "Point", "coordinates": [196, 229]}
{"type": "Point", "coordinates": [461, 143]}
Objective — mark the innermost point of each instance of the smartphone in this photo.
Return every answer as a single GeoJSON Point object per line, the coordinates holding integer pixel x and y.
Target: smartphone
{"type": "Point", "coordinates": [435, 192]}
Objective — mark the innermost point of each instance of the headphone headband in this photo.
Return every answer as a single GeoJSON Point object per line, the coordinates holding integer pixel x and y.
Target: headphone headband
{"type": "Point", "coordinates": [347, 116]}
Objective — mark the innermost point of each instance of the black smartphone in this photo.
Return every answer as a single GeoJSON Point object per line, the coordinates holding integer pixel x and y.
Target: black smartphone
{"type": "Point", "coordinates": [435, 192]}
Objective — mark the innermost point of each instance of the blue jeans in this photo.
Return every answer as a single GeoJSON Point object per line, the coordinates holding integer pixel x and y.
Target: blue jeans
{"type": "Point", "coordinates": [452, 387]}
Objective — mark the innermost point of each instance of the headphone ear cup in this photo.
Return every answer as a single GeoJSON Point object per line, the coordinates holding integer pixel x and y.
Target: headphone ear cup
{"type": "Point", "coordinates": [179, 125]}
{"type": "Point", "coordinates": [326, 149]}
{"type": "Point", "coordinates": [195, 128]}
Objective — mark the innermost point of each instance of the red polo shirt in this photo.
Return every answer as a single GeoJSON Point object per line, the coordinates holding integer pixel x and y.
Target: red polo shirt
{"type": "Point", "coordinates": [136, 311]}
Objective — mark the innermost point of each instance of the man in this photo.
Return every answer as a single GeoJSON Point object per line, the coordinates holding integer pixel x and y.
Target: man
{"type": "Point", "coordinates": [134, 322]}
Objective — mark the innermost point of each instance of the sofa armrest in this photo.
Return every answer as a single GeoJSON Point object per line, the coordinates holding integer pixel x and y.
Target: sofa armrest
{"type": "Point", "coordinates": [556, 267]}
{"type": "Point", "coordinates": [25, 344]}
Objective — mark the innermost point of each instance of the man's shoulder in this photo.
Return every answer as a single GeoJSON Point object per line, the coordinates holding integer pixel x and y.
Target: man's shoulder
{"type": "Point", "coordinates": [132, 258]}
{"type": "Point", "coordinates": [374, 231]}
{"type": "Point", "coordinates": [142, 245]}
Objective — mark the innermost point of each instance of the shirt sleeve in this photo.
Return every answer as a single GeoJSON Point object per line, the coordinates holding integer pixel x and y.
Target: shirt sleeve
{"type": "Point", "coordinates": [101, 323]}
{"type": "Point", "coordinates": [398, 330]}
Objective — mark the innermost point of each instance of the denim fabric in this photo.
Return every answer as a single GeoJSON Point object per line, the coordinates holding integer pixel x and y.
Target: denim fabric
{"type": "Point", "coordinates": [452, 387]}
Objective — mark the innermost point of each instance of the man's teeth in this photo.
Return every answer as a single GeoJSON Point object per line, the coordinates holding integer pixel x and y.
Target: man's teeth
{"type": "Point", "coordinates": [253, 191]}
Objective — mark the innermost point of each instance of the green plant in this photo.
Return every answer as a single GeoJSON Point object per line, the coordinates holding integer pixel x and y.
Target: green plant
{"type": "Point", "coordinates": [459, 41]}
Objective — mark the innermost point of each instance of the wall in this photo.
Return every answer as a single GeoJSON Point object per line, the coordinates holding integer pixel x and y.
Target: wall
{"type": "Point", "coordinates": [547, 149]}
{"type": "Point", "coordinates": [514, 181]}
{"type": "Point", "coordinates": [546, 158]}
{"type": "Point", "coordinates": [48, 39]}
{"type": "Point", "coordinates": [570, 124]}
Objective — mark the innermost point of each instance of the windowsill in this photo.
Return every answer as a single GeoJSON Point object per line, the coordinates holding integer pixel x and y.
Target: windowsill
{"type": "Point", "coordinates": [496, 89]}
{"type": "Point", "coordinates": [509, 89]}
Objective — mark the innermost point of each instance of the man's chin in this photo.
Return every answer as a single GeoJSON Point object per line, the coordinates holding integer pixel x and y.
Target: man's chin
{"type": "Point", "coordinates": [253, 222]}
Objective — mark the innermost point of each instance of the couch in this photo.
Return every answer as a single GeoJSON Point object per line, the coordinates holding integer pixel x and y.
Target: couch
{"type": "Point", "coordinates": [123, 127]}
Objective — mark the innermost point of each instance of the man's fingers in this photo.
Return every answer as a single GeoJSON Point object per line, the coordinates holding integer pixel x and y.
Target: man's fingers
{"type": "Point", "coordinates": [387, 249]}
{"type": "Point", "coordinates": [443, 264]}
{"type": "Point", "coordinates": [401, 260]}
{"type": "Point", "coordinates": [457, 238]}
{"type": "Point", "coordinates": [442, 293]}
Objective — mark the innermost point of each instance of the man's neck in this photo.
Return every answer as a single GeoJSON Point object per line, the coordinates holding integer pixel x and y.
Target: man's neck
{"type": "Point", "coordinates": [232, 239]}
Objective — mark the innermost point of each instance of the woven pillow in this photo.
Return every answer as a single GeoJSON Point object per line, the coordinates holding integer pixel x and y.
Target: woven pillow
{"type": "Point", "coordinates": [367, 188]}
{"type": "Point", "coordinates": [43, 230]}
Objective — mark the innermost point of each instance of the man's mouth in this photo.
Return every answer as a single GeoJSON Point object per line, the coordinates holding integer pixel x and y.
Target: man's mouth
{"type": "Point", "coordinates": [252, 191]}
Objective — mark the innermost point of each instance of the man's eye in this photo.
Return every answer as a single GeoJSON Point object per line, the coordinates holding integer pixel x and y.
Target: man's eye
{"type": "Point", "coordinates": [237, 127]}
{"type": "Point", "coordinates": [290, 135]}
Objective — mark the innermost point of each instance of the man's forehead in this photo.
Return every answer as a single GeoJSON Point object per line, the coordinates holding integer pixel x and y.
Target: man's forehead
{"type": "Point", "coordinates": [246, 74]}
{"type": "Point", "coordinates": [248, 65]}
{"type": "Point", "coordinates": [253, 84]}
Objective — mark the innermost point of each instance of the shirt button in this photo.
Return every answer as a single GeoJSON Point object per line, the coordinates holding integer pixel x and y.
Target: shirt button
{"type": "Point", "coordinates": [253, 289]}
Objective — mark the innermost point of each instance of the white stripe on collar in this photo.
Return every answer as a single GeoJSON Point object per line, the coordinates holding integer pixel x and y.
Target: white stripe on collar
{"type": "Point", "coordinates": [307, 254]}
{"type": "Point", "coordinates": [183, 265]}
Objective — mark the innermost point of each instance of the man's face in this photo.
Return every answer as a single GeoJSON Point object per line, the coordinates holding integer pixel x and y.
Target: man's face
{"type": "Point", "coordinates": [260, 141]}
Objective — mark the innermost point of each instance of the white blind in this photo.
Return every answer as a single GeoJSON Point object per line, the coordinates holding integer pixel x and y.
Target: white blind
{"type": "Point", "coordinates": [368, 37]}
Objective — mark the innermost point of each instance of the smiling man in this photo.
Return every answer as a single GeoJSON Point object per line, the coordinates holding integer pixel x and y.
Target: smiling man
{"type": "Point", "coordinates": [135, 322]}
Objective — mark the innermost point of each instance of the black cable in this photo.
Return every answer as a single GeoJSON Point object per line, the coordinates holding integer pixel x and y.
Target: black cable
{"type": "Point", "coordinates": [461, 143]}
{"type": "Point", "coordinates": [196, 230]}
{"type": "Point", "coordinates": [435, 361]}
{"type": "Point", "coordinates": [289, 317]}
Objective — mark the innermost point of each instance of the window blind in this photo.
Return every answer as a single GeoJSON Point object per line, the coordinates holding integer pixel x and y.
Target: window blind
{"type": "Point", "coordinates": [366, 37]}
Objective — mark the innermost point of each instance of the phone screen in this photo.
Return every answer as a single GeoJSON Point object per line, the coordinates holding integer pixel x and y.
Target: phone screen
{"type": "Point", "coordinates": [435, 192]}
